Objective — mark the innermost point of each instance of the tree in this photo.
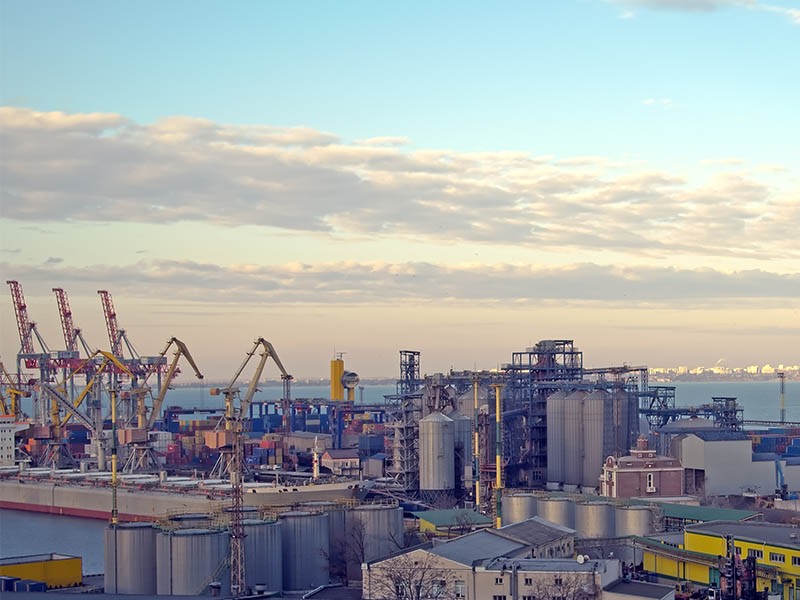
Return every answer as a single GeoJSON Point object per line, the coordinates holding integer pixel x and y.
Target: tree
{"type": "Point", "coordinates": [416, 575]}
{"type": "Point", "coordinates": [560, 586]}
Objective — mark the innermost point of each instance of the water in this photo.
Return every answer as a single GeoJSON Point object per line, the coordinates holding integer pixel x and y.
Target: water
{"type": "Point", "coordinates": [23, 533]}
{"type": "Point", "coordinates": [30, 533]}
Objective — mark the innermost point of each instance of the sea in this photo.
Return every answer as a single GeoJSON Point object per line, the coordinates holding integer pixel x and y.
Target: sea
{"type": "Point", "coordinates": [23, 533]}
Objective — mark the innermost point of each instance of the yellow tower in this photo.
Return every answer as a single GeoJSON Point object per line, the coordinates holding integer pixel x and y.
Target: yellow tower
{"type": "Point", "coordinates": [337, 370]}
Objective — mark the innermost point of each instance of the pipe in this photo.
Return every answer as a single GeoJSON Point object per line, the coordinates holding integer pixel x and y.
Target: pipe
{"type": "Point", "coordinates": [498, 487]}
{"type": "Point", "coordinates": [476, 461]}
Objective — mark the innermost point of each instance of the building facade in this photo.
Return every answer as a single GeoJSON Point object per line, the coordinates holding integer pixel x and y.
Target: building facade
{"type": "Point", "coordinates": [642, 473]}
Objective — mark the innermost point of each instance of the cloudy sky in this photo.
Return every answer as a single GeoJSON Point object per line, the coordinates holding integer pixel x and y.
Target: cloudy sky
{"type": "Point", "coordinates": [459, 178]}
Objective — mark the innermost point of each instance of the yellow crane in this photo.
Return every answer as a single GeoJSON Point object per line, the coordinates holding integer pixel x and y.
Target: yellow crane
{"type": "Point", "coordinates": [14, 392]}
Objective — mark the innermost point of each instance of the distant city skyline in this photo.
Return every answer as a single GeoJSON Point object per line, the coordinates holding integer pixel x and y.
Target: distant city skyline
{"type": "Point", "coordinates": [459, 178]}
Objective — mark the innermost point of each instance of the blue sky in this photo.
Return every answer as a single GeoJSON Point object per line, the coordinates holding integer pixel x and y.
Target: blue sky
{"type": "Point", "coordinates": [612, 164]}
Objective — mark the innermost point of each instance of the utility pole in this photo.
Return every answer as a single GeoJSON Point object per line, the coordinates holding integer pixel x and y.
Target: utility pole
{"type": "Point", "coordinates": [782, 378]}
{"type": "Point", "coordinates": [238, 587]}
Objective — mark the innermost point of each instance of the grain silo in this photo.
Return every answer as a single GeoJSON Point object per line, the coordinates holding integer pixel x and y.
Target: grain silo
{"type": "Point", "coordinates": [518, 507]}
{"type": "Point", "coordinates": [634, 520]}
{"type": "Point", "coordinates": [462, 440]}
{"type": "Point", "coordinates": [594, 520]}
{"type": "Point", "coordinates": [598, 436]}
{"type": "Point", "coordinates": [263, 551]}
{"type": "Point", "coordinates": [556, 438]}
{"type": "Point", "coordinates": [130, 559]}
{"type": "Point", "coordinates": [437, 459]}
{"type": "Point", "coordinates": [557, 510]}
{"type": "Point", "coordinates": [306, 541]}
{"type": "Point", "coordinates": [573, 438]}
{"type": "Point", "coordinates": [189, 560]}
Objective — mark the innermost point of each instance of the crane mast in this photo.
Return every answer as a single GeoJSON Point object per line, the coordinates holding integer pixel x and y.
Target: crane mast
{"type": "Point", "coordinates": [70, 337]}
{"type": "Point", "coordinates": [110, 314]}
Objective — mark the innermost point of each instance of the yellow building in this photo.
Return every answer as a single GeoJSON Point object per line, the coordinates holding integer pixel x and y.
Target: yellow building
{"type": "Point", "coordinates": [56, 570]}
{"type": "Point", "coordinates": [697, 560]}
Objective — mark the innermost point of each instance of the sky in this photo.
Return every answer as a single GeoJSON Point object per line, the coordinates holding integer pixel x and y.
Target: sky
{"type": "Point", "coordinates": [459, 178]}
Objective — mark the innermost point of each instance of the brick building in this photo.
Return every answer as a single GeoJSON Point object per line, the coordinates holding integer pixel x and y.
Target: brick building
{"type": "Point", "coordinates": [642, 473]}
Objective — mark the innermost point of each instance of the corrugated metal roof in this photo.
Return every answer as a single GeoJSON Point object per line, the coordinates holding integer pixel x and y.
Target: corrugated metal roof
{"type": "Point", "coordinates": [706, 513]}
{"type": "Point", "coordinates": [452, 517]}
{"type": "Point", "coordinates": [535, 531]}
{"type": "Point", "coordinates": [761, 533]}
{"type": "Point", "coordinates": [721, 435]}
{"type": "Point", "coordinates": [478, 546]}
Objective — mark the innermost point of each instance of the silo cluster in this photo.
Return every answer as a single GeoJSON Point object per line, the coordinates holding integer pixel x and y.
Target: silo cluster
{"type": "Point", "coordinates": [583, 428]}
{"type": "Point", "coordinates": [306, 543]}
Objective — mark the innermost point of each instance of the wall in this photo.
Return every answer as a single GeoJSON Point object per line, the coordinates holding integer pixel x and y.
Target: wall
{"type": "Point", "coordinates": [56, 573]}
{"type": "Point", "coordinates": [728, 465]}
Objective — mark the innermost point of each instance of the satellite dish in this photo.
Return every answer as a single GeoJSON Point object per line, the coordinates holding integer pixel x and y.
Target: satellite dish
{"type": "Point", "coordinates": [581, 559]}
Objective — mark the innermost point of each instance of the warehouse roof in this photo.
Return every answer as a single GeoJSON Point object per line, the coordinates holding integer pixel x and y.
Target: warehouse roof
{"type": "Point", "coordinates": [475, 547]}
{"type": "Point", "coordinates": [721, 435]}
{"type": "Point", "coordinates": [535, 531]}
{"type": "Point", "coordinates": [761, 533]}
{"type": "Point", "coordinates": [452, 517]}
{"type": "Point", "coordinates": [706, 513]}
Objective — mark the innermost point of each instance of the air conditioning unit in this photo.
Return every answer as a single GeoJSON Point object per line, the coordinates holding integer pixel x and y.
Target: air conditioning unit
{"type": "Point", "coordinates": [651, 489]}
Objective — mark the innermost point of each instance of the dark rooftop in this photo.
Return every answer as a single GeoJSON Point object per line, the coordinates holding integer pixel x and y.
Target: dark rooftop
{"type": "Point", "coordinates": [472, 548]}
{"type": "Point", "coordinates": [640, 589]}
{"type": "Point", "coordinates": [535, 531]}
{"type": "Point", "coordinates": [721, 435]}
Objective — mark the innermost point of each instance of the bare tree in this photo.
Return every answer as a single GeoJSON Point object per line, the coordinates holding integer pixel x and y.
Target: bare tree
{"type": "Point", "coordinates": [411, 576]}
{"type": "Point", "coordinates": [559, 586]}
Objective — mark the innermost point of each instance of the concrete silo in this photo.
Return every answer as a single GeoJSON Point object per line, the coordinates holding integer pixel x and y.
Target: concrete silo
{"type": "Point", "coordinates": [573, 438]}
{"type": "Point", "coordinates": [556, 438]}
{"type": "Point", "coordinates": [437, 459]}
{"type": "Point", "coordinates": [462, 439]}
{"type": "Point", "coordinates": [598, 436]}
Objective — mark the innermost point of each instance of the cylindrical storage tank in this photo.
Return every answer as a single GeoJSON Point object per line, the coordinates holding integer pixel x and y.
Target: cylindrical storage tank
{"type": "Point", "coordinates": [555, 438]}
{"type": "Point", "coordinates": [557, 510]}
{"type": "Point", "coordinates": [337, 542]}
{"type": "Point", "coordinates": [594, 520]}
{"type": "Point", "coordinates": [594, 434]}
{"type": "Point", "coordinates": [189, 560]}
{"type": "Point", "coordinates": [379, 527]}
{"type": "Point", "coordinates": [436, 454]}
{"type": "Point", "coordinates": [130, 559]}
{"type": "Point", "coordinates": [634, 520]}
{"type": "Point", "coordinates": [518, 507]}
{"type": "Point", "coordinates": [263, 551]}
{"type": "Point", "coordinates": [573, 438]}
{"type": "Point", "coordinates": [190, 521]}
{"type": "Point", "coordinates": [306, 541]}
{"type": "Point", "coordinates": [462, 440]}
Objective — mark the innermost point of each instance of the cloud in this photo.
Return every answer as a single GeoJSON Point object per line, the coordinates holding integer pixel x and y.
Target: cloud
{"type": "Point", "coordinates": [106, 168]}
{"type": "Point", "coordinates": [792, 14]}
{"type": "Point", "coordinates": [376, 282]}
{"type": "Point", "coordinates": [663, 102]}
{"type": "Point", "coordinates": [53, 260]}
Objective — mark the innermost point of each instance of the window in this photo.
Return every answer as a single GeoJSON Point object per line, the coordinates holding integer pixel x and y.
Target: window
{"type": "Point", "coordinates": [559, 581]}
{"type": "Point", "coordinates": [777, 557]}
{"type": "Point", "coordinates": [499, 597]}
{"type": "Point", "coordinates": [498, 581]}
{"type": "Point", "coordinates": [529, 581]}
{"type": "Point", "coordinates": [796, 563]}
{"type": "Point", "coordinates": [460, 589]}
{"type": "Point", "coordinates": [529, 598]}
{"type": "Point", "coordinates": [738, 550]}
{"type": "Point", "coordinates": [651, 482]}
{"type": "Point", "coordinates": [754, 552]}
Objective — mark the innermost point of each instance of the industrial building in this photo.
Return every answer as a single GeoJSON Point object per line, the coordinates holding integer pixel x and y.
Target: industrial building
{"type": "Point", "coordinates": [642, 473]}
{"type": "Point", "coordinates": [39, 572]}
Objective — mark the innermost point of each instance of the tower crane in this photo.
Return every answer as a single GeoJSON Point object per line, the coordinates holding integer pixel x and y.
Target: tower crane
{"type": "Point", "coordinates": [72, 334]}
{"type": "Point", "coordinates": [231, 460]}
{"type": "Point", "coordinates": [14, 390]}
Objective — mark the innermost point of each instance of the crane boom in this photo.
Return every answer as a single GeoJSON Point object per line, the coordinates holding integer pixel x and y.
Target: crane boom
{"type": "Point", "coordinates": [182, 350]}
{"type": "Point", "coordinates": [269, 352]}
{"type": "Point", "coordinates": [111, 322]}
{"type": "Point", "coordinates": [70, 333]}
{"type": "Point", "coordinates": [21, 311]}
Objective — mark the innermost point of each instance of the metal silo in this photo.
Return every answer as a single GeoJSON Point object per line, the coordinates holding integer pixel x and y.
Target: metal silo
{"type": "Point", "coordinates": [336, 524]}
{"type": "Point", "coordinates": [596, 434]}
{"type": "Point", "coordinates": [518, 507]}
{"type": "Point", "coordinates": [306, 539]}
{"type": "Point", "coordinates": [130, 559]}
{"type": "Point", "coordinates": [556, 440]}
{"type": "Point", "coordinates": [263, 551]}
{"type": "Point", "coordinates": [556, 510]}
{"type": "Point", "coordinates": [380, 526]}
{"type": "Point", "coordinates": [573, 438]}
{"type": "Point", "coordinates": [436, 458]}
{"type": "Point", "coordinates": [594, 520]}
{"type": "Point", "coordinates": [462, 439]}
{"type": "Point", "coordinates": [188, 560]}
{"type": "Point", "coordinates": [634, 520]}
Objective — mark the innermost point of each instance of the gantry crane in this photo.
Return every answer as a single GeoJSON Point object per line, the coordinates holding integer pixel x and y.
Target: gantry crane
{"type": "Point", "coordinates": [10, 386]}
{"type": "Point", "coordinates": [72, 334]}
{"type": "Point", "coordinates": [231, 460]}
{"type": "Point", "coordinates": [141, 456]}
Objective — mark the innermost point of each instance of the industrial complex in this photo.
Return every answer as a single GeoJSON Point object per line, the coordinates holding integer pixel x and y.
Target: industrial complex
{"type": "Point", "coordinates": [538, 479]}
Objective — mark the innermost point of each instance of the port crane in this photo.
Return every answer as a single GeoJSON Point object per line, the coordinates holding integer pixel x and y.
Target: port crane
{"type": "Point", "coordinates": [14, 390]}
{"type": "Point", "coordinates": [231, 459]}
{"type": "Point", "coordinates": [141, 455]}
{"type": "Point", "coordinates": [57, 453]}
